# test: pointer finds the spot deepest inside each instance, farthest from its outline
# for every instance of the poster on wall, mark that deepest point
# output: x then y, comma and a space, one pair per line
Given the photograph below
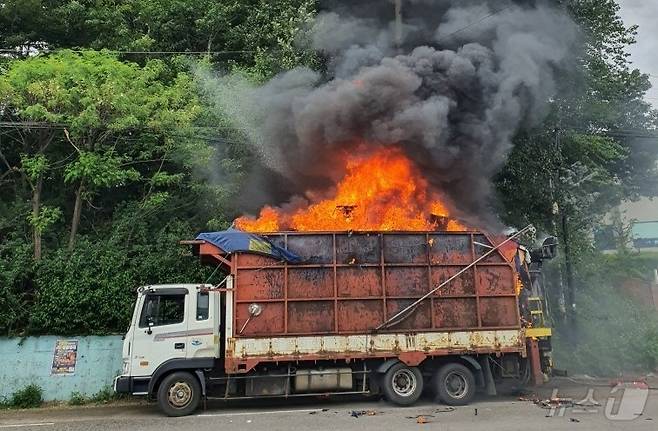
65, 357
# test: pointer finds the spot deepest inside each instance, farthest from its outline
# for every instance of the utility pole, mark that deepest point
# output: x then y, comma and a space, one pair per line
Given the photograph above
555, 211
568, 298
398, 23
571, 293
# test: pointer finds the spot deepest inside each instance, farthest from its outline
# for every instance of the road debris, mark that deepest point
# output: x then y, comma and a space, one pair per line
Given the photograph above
316, 411
574, 420
553, 403
446, 409
421, 420
419, 416
532, 397
358, 413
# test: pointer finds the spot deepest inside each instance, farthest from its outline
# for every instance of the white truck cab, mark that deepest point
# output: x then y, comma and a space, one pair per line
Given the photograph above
173, 327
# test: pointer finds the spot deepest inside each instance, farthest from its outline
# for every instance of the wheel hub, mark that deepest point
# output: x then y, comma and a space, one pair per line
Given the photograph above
404, 383
179, 394
456, 385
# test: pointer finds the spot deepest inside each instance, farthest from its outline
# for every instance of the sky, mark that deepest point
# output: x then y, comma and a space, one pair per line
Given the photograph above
644, 53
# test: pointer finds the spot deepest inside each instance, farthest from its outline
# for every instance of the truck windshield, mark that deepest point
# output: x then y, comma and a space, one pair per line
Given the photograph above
162, 310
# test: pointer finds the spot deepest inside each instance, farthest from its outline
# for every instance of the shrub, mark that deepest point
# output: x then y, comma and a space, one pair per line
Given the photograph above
29, 397
91, 290
104, 395
77, 399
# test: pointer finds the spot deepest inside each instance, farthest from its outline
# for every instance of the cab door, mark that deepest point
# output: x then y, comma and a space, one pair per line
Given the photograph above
202, 333
161, 329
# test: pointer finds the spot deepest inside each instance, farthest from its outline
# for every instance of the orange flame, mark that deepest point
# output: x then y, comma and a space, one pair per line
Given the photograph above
380, 192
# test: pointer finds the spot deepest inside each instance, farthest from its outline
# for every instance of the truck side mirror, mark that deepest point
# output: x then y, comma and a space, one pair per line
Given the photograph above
549, 247
547, 251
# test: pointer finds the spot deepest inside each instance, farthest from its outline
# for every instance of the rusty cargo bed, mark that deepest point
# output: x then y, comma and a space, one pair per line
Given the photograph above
349, 283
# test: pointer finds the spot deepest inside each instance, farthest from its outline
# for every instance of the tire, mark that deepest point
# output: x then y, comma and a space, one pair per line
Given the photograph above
454, 384
179, 394
402, 385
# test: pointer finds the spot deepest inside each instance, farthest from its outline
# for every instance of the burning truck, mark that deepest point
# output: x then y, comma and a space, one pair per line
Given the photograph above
375, 290
369, 277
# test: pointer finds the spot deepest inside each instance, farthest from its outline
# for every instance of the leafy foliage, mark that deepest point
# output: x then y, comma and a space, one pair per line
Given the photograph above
616, 333
100, 170
103, 396
113, 156
252, 33
91, 289
17, 290
116, 153
596, 148
115, 150
77, 399
30, 396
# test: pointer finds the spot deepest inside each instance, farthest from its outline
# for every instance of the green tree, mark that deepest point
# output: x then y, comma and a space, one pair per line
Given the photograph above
92, 101
112, 152
255, 33
595, 148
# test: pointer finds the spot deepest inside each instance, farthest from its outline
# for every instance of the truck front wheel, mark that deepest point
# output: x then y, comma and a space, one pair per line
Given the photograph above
454, 384
179, 394
402, 385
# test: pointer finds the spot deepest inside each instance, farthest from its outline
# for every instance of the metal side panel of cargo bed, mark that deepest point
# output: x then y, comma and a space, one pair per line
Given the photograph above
348, 283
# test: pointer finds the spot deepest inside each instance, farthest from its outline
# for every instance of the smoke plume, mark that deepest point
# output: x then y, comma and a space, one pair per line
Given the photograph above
450, 87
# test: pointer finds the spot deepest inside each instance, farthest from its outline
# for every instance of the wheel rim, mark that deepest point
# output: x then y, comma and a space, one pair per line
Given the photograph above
404, 383
179, 394
456, 385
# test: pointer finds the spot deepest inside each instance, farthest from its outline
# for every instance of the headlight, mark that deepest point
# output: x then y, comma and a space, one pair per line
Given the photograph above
126, 366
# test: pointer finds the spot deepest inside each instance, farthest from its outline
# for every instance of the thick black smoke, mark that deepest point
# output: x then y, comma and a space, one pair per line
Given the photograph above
451, 92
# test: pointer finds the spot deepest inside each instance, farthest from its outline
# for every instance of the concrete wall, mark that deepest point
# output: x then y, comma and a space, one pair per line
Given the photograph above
29, 360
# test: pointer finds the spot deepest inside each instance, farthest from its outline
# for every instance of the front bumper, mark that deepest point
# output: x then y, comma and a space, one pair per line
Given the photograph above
131, 385
122, 385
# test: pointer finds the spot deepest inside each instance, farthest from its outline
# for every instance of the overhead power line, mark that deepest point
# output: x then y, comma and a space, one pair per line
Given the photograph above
474, 23
202, 132
230, 52
113, 51
45, 124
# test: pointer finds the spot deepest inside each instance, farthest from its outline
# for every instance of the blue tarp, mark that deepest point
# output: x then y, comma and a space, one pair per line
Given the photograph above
232, 240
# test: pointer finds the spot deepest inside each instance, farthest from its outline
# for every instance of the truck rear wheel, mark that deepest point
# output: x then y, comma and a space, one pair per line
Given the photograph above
402, 385
454, 384
179, 394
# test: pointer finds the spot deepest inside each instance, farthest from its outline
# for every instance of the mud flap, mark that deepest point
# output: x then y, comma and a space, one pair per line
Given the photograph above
489, 384
202, 380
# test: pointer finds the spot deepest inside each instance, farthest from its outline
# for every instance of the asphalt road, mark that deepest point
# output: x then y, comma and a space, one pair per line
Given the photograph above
499, 413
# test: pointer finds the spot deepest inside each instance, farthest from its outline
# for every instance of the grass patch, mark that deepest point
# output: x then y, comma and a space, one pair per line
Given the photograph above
103, 396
